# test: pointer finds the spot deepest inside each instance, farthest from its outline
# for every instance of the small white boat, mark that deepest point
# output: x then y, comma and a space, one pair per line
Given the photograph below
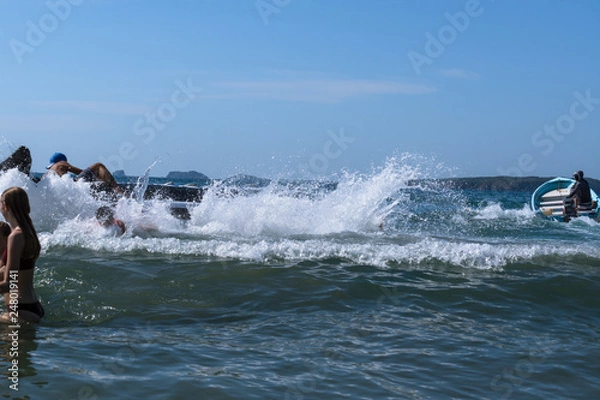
548, 201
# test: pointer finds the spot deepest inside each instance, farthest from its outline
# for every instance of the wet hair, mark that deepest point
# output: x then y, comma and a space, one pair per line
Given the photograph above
17, 202
580, 173
4, 229
20, 159
105, 215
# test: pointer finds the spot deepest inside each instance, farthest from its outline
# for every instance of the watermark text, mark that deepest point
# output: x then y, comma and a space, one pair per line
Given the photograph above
266, 8
13, 335
546, 139
37, 32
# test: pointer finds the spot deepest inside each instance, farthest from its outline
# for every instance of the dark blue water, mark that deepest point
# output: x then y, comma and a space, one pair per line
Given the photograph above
374, 290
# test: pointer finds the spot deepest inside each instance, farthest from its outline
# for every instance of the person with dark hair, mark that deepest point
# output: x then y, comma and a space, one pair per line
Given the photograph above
4, 233
19, 159
22, 250
106, 218
580, 191
98, 171
578, 199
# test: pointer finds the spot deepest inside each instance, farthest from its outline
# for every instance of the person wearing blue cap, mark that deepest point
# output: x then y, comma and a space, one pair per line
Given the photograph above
95, 172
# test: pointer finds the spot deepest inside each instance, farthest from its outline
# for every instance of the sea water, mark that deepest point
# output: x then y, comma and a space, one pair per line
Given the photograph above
368, 288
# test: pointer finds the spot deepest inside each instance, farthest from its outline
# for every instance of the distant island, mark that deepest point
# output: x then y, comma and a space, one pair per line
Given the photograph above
502, 183
487, 183
189, 175
246, 180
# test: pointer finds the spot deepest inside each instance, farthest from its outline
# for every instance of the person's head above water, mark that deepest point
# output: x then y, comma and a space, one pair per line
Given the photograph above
105, 216
16, 208
56, 157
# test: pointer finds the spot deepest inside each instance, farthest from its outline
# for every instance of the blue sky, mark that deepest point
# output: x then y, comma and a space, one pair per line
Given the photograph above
303, 87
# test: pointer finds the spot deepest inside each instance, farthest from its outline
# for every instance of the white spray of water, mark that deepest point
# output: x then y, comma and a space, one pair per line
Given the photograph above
277, 222
356, 205
142, 184
494, 211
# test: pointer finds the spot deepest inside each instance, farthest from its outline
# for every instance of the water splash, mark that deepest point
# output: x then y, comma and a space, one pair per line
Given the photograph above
391, 218
142, 184
358, 203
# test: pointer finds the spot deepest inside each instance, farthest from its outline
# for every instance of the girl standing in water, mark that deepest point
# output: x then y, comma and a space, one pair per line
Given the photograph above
22, 250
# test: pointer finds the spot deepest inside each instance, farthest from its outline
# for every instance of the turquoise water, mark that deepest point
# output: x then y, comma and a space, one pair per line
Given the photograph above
374, 290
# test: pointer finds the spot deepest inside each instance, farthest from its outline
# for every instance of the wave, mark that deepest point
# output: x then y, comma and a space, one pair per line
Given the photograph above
383, 219
377, 251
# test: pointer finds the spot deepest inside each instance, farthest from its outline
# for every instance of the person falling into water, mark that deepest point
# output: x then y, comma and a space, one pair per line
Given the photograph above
106, 218
22, 250
98, 171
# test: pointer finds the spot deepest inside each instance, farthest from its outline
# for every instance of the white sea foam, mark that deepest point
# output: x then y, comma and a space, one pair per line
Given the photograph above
495, 211
368, 251
377, 219
356, 205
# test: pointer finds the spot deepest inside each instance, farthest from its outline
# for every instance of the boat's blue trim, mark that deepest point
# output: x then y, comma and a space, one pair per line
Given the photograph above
560, 183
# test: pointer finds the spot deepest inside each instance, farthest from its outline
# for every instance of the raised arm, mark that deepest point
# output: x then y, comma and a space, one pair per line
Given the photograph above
62, 167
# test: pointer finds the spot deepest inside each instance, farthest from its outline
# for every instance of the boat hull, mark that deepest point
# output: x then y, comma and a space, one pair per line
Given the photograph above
547, 201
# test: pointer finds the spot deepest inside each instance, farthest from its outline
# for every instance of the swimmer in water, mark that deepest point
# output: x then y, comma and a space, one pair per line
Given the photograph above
22, 251
106, 218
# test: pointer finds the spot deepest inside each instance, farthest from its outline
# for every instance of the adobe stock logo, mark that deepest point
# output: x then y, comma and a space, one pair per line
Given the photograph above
333, 148
37, 33
447, 34
146, 128
266, 8
552, 134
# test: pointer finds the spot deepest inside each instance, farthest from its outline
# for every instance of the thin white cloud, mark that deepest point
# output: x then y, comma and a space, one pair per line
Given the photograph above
313, 90
53, 124
100, 107
460, 74
305, 89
